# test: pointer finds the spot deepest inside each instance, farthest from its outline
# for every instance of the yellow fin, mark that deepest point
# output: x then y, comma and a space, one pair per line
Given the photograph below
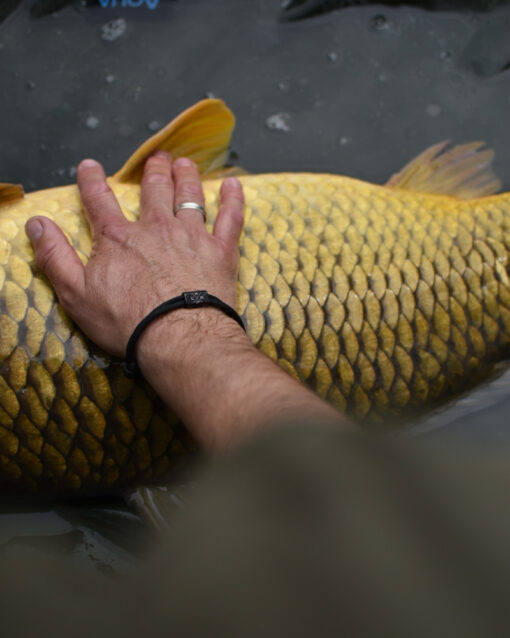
201, 133
10, 193
225, 171
463, 171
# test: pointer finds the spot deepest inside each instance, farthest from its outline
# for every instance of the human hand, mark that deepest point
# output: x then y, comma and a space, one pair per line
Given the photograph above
135, 266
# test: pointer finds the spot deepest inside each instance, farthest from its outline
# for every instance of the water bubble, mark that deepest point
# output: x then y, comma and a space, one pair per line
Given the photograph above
43, 147
210, 95
279, 122
72, 171
379, 23
125, 130
433, 110
283, 86
61, 172
30, 85
92, 122
110, 78
333, 56
445, 55
136, 93
113, 29
343, 141
382, 77
154, 126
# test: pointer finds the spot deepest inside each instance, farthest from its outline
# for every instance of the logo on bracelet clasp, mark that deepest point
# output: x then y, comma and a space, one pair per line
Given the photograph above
152, 4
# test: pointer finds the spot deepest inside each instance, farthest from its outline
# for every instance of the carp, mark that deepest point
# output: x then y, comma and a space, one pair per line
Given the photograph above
386, 300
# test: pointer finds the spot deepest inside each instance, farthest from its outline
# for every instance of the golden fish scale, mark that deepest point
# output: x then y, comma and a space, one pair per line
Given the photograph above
379, 299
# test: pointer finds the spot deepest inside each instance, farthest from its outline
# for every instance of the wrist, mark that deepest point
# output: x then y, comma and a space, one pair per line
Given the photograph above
171, 341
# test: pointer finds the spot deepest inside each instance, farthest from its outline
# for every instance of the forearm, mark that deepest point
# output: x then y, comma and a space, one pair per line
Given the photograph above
219, 384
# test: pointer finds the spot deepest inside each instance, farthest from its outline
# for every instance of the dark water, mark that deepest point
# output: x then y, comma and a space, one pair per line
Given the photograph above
345, 87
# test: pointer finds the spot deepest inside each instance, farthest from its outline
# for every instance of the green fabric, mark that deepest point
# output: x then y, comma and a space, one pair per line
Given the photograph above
306, 531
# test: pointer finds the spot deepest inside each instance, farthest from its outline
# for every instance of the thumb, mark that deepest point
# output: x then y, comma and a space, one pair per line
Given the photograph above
57, 259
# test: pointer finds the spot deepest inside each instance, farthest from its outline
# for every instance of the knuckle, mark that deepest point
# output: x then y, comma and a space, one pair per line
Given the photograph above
192, 189
180, 235
230, 258
233, 209
185, 165
159, 215
96, 188
157, 162
156, 177
46, 256
66, 296
157, 171
95, 203
113, 230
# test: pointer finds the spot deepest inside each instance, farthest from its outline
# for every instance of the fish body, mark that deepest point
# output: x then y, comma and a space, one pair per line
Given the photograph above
384, 300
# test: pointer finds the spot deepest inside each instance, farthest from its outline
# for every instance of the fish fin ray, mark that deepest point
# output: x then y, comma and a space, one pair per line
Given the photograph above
225, 171
201, 133
159, 505
10, 193
463, 171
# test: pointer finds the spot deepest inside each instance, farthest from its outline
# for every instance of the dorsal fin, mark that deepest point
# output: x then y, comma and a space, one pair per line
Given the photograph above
464, 171
201, 133
10, 193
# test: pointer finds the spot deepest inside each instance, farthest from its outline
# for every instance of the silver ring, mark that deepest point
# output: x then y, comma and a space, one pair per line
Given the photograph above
193, 206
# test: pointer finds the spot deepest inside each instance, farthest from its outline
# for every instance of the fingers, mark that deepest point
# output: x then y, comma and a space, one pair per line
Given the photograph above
103, 211
188, 188
57, 259
230, 218
157, 194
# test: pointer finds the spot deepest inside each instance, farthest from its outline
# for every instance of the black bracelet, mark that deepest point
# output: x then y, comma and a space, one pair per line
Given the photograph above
193, 299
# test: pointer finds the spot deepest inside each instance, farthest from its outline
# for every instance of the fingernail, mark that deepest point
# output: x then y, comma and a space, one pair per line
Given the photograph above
184, 162
88, 162
162, 154
33, 229
232, 182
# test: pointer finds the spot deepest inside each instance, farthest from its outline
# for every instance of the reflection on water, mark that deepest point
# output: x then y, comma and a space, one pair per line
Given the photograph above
298, 9
104, 537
